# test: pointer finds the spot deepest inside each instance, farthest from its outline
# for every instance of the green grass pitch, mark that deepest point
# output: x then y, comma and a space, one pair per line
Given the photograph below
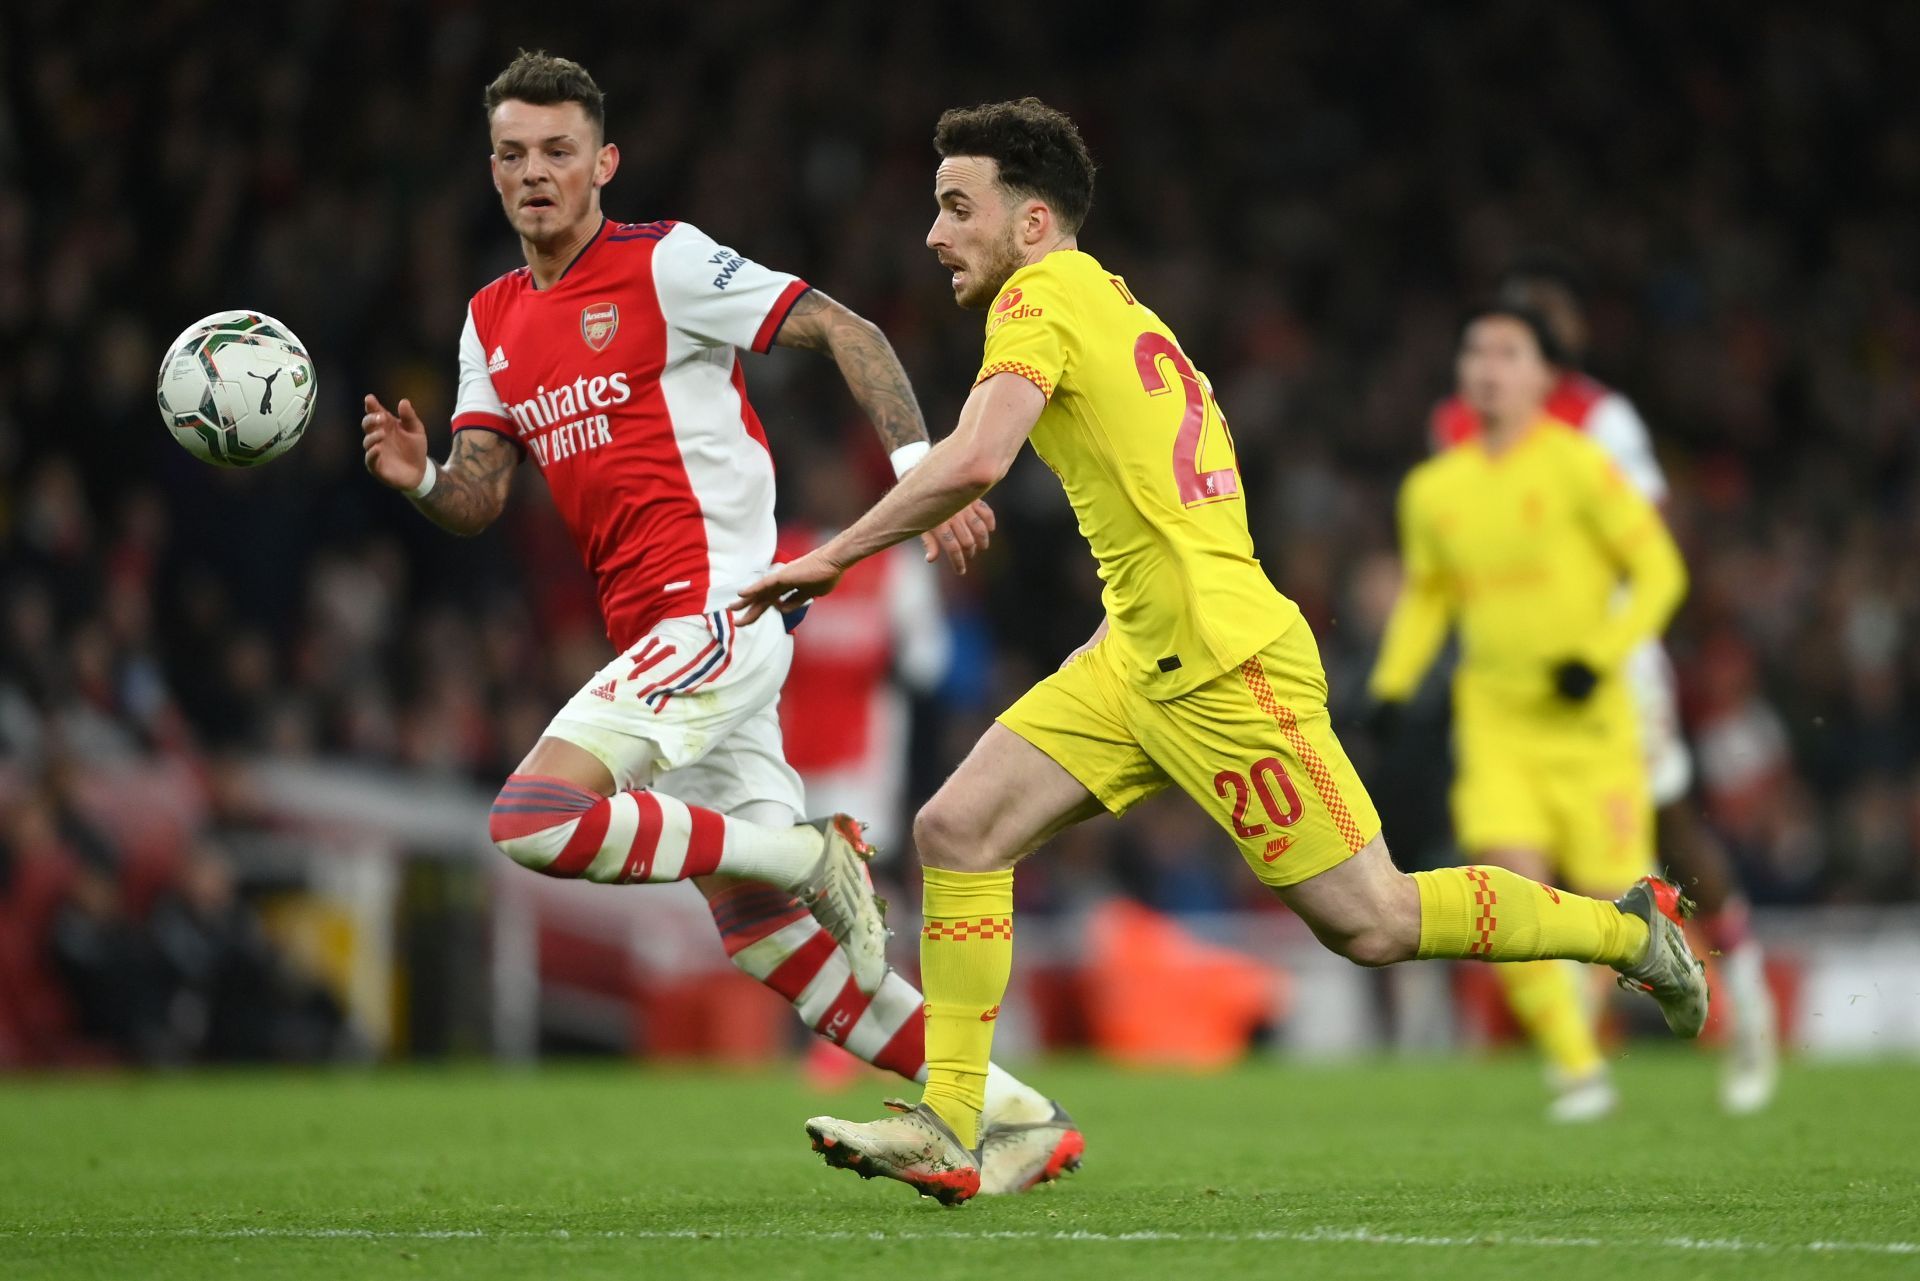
1400, 1169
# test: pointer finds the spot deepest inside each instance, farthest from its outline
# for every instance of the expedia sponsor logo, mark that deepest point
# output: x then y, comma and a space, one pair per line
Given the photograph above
1013, 306
599, 323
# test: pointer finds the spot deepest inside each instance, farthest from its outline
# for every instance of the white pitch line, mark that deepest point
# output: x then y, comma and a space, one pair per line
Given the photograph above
1303, 1236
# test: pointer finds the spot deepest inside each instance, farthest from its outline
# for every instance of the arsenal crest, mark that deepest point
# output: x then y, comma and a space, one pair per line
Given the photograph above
599, 323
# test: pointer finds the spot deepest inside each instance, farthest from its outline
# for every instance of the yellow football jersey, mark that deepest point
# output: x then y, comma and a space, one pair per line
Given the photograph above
1526, 551
1133, 433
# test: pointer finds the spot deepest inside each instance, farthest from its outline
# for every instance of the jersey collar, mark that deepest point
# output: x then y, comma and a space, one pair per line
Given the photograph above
592, 240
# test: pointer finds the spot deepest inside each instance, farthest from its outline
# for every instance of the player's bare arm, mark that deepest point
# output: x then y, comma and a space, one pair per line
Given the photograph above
867, 361
469, 490
994, 424
879, 385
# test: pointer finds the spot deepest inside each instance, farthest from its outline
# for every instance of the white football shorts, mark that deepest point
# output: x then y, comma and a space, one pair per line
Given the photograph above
1656, 697
692, 710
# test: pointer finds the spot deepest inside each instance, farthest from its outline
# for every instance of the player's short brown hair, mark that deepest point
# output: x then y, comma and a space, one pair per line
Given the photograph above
545, 80
1038, 149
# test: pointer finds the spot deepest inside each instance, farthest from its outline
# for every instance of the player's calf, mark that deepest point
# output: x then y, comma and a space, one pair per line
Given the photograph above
770, 935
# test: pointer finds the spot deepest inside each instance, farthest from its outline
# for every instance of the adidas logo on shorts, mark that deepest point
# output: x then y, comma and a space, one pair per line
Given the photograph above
604, 691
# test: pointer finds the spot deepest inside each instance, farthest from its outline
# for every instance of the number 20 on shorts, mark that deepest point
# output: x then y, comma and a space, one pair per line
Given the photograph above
1267, 780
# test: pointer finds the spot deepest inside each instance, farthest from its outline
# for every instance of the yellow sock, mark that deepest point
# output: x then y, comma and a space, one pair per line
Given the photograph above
1491, 914
966, 957
1545, 998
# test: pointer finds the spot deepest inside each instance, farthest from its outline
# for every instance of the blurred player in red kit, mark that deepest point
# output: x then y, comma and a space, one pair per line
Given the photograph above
881, 636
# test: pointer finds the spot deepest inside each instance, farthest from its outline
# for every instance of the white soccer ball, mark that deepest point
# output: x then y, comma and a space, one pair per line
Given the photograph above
237, 388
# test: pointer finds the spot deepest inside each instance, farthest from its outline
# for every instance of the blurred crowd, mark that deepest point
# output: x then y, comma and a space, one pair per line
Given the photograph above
1309, 194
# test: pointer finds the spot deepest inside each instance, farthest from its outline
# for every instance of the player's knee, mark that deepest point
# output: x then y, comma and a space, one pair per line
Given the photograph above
514, 835
1378, 945
945, 836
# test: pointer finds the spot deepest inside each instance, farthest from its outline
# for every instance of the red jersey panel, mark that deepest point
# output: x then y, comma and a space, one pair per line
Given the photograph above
1585, 404
842, 659
1571, 401
622, 382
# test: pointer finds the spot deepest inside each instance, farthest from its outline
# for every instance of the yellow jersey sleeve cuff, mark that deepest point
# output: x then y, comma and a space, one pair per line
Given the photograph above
1020, 367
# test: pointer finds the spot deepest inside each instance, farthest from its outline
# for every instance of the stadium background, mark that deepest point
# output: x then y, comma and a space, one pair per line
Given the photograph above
212, 683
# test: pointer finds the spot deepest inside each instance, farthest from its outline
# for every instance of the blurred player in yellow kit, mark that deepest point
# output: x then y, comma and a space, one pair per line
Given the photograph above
1554, 569
1201, 675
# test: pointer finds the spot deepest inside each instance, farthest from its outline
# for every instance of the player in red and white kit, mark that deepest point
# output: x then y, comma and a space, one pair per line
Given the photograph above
1549, 287
611, 361
881, 635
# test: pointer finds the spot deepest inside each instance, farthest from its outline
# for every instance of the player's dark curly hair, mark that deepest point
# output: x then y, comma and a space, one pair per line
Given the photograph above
544, 80
1038, 149
1550, 349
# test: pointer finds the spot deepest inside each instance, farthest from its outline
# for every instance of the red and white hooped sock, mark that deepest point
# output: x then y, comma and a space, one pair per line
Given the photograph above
771, 936
559, 829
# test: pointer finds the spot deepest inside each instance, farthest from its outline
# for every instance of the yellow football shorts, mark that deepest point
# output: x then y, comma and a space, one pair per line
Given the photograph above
1585, 805
1254, 746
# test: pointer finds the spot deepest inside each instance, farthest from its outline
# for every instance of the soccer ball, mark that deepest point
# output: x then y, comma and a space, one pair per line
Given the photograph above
236, 389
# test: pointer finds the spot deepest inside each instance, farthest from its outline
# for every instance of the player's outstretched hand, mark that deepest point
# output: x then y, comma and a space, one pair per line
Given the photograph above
961, 538
788, 587
396, 445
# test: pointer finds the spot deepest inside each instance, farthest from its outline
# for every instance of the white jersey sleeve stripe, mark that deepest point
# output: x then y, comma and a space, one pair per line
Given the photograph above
477, 400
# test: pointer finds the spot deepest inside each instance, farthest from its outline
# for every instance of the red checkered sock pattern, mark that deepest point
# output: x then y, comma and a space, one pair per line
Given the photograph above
770, 936
966, 958
1491, 914
560, 829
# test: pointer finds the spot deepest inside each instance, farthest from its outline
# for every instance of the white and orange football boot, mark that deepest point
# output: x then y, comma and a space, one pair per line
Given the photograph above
839, 893
914, 1146
1669, 972
1018, 1156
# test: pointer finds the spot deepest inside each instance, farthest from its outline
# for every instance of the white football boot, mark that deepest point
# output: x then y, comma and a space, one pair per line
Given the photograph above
1591, 1098
1669, 971
840, 895
1016, 1156
1751, 1070
914, 1146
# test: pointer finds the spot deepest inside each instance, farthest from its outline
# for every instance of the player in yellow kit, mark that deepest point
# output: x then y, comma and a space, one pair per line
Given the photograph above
1554, 569
1201, 674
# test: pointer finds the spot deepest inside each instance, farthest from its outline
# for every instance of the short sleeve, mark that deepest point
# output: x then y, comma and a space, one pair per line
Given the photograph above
1027, 333
477, 404
718, 298
1615, 508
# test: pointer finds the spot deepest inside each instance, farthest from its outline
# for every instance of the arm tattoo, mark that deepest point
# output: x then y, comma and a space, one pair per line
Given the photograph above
867, 361
472, 487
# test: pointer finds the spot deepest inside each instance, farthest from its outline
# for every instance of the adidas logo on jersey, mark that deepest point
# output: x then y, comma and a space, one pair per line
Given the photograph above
497, 361
604, 691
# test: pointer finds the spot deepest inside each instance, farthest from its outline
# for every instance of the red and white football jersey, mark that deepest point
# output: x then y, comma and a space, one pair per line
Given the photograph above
622, 382
1586, 404
883, 621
